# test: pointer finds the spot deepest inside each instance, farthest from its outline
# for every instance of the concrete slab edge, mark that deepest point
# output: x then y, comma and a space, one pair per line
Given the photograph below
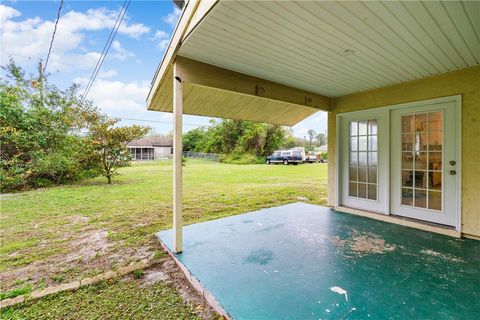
75, 285
197, 285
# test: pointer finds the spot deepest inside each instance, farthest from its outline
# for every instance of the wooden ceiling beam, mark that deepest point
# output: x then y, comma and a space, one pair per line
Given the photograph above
199, 73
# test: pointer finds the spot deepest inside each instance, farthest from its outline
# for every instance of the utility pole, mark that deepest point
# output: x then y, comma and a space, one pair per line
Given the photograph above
40, 74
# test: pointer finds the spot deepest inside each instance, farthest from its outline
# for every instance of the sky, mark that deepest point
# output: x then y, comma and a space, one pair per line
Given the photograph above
124, 80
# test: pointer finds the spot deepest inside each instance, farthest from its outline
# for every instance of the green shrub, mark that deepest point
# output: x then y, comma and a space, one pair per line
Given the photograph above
242, 159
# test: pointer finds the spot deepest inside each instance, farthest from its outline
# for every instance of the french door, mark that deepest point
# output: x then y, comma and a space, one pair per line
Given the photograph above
424, 163
364, 160
402, 160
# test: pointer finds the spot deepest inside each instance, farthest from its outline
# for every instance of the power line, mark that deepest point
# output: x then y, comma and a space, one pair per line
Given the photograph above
53, 36
106, 48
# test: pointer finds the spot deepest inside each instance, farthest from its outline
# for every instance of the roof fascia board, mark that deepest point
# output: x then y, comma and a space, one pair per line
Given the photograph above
176, 40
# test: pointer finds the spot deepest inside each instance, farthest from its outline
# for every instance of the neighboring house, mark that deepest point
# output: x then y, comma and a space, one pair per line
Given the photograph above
400, 82
319, 150
151, 148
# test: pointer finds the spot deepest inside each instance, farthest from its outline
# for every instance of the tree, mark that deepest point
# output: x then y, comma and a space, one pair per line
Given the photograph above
311, 133
236, 138
193, 139
40, 140
321, 139
49, 137
110, 143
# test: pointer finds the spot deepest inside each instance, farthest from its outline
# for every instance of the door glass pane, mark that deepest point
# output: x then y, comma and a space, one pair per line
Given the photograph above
407, 160
372, 191
362, 128
435, 161
420, 179
362, 143
352, 189
362, 174
407, 197
435, 141
407, 123
435, 200
363, 162
354, 143
435, 181
362, 190
352, 174
407, 178
354, 128
362, 158
420, 198
435, 121
422, 164
372, 158
372, 143
372, 174
421, 122
407, 142
372, 127
421, 161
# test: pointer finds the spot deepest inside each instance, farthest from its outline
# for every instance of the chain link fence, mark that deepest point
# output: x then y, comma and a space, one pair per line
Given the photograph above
200, 155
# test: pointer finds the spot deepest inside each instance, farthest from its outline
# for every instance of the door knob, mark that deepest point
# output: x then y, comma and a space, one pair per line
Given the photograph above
453, 172
452, 162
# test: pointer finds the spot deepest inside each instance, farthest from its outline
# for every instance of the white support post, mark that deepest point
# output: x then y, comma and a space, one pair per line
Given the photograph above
177, 160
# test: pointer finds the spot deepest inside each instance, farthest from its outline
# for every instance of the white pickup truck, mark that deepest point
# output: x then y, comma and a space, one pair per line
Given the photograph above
311, 158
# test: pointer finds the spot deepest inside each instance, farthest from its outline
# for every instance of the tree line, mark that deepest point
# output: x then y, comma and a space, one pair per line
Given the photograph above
242, 141
49, 137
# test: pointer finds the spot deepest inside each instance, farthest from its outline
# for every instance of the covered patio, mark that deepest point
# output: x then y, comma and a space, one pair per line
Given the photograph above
400, 82
302, 261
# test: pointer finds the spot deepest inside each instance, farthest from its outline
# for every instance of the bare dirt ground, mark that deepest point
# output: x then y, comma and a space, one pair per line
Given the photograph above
90, 253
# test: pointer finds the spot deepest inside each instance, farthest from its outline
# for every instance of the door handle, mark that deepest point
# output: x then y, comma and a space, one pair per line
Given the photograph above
452, 162
453, 172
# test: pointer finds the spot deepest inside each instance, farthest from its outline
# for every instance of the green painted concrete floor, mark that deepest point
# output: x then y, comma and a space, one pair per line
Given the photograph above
302, 261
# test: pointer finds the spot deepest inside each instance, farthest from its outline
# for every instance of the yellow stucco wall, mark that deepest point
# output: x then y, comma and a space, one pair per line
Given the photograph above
465, 82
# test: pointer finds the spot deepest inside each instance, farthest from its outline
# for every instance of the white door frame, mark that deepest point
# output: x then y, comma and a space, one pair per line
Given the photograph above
457, 99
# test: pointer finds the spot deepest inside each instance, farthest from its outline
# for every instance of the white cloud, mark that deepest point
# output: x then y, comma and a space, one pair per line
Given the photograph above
7, 13
116, 97
121, 53
320, 117
107, 74
163, 39
172, 17
31, 37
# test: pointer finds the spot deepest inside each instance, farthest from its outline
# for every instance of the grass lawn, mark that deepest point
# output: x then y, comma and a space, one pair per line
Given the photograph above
58, 234
116, 300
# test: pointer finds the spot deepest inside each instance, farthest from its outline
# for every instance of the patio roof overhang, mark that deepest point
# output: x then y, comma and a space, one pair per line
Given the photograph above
301, 55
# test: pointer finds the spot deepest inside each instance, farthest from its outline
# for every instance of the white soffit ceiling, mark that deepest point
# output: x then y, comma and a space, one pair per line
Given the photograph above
338, 48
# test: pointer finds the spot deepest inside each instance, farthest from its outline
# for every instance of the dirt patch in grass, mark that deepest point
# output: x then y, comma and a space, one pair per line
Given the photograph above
88, 254
79, 219
88, 246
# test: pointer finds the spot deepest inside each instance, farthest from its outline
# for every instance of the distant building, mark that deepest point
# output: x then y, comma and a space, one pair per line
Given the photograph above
321, 149
151, 148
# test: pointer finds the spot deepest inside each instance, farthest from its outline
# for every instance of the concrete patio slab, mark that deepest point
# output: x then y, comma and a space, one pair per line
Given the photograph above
302, 261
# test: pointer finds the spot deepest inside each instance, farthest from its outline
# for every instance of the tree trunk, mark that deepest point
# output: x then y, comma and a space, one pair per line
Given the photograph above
109, 177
